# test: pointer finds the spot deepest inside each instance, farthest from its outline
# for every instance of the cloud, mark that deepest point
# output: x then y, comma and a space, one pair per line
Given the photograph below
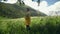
34, 5
31, 4
44, 6
10, 1
54, 8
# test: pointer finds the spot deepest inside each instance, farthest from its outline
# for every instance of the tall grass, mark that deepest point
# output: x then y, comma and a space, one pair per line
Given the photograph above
45, 25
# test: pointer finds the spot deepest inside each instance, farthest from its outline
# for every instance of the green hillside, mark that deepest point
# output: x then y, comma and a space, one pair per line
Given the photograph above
16, 11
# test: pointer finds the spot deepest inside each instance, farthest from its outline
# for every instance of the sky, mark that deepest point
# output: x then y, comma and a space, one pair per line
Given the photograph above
9, 1
46, 6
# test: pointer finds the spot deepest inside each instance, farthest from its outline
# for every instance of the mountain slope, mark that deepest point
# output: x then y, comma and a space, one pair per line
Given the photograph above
16, 11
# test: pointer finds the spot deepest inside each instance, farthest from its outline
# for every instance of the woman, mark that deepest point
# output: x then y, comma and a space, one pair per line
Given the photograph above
27, 19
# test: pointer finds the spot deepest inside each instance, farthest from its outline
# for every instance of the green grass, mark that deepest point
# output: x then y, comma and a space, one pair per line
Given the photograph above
39, 25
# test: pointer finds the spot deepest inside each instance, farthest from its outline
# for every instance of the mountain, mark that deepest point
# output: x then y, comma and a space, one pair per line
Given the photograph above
54, 13
16, 10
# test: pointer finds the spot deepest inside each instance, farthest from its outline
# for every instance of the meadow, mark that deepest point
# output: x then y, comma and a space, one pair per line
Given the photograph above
39, 25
